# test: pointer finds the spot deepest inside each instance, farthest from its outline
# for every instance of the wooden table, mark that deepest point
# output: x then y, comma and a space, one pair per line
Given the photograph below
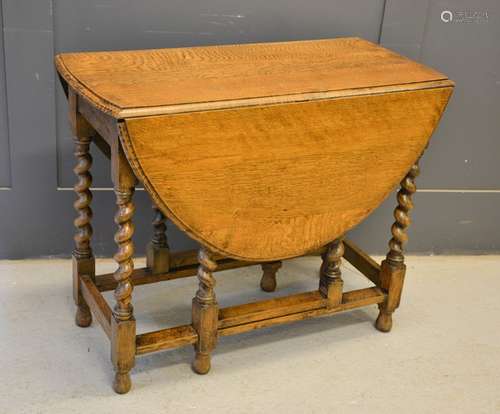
260, 152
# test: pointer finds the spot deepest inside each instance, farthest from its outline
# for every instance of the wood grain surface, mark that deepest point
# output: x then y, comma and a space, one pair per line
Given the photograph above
132, 83
272, 182
261, 152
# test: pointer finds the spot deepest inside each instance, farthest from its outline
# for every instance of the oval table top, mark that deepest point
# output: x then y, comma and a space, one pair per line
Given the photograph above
265, 151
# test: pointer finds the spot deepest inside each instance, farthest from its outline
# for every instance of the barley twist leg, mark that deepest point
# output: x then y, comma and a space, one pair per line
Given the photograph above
393, 268
205, 312
83, 258
123, 322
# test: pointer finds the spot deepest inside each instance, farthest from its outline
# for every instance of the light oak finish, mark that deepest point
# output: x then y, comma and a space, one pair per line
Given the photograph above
123, 238
330, 278
123, 326
97, 304
145, 82
361, 261
242, 318
122, 353
262, 168
350, 300
393, 268
205, 312
158, 251
260, 152
144, 276
82, 266
83, 261
166, 339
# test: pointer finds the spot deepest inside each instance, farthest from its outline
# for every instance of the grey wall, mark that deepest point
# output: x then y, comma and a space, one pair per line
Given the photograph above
4, 128
459, 201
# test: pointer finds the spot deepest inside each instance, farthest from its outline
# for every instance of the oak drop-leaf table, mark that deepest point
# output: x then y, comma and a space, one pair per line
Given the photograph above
260, 152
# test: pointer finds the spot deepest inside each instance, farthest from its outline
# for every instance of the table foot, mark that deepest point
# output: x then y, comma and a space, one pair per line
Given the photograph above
384, 321
201, 363
83, 317
122, 382
268, 281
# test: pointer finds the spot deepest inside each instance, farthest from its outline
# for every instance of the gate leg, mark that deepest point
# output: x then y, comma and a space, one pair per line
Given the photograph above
123, 329
123, 322
205, 312
393, 268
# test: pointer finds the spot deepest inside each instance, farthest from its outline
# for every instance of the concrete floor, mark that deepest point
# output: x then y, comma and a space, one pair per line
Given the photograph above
443, 355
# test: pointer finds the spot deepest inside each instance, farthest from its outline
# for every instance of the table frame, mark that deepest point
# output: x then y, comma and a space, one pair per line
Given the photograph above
208, 321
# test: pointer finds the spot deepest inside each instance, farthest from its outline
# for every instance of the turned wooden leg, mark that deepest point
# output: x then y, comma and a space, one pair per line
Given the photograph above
158, 251
205, 312
83, 258
330, 282
123, 322
393, 268
268, 281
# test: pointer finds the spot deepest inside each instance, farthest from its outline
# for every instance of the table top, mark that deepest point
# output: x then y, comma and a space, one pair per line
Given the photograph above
153, 82
308, 137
